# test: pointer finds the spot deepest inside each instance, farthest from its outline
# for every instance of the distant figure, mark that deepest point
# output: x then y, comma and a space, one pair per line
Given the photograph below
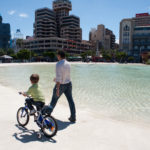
63, 85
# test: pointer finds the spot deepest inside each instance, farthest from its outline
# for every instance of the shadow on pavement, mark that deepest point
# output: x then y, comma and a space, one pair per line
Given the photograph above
62, 124
27, 136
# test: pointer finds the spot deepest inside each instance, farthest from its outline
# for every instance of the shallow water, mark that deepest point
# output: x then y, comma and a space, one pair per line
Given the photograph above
118, 91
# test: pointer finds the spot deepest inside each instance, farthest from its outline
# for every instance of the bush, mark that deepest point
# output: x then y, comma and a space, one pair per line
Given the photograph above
23, 54
131, 59
148, 62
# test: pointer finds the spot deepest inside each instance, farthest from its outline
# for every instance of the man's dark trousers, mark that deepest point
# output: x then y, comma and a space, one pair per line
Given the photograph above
67, 90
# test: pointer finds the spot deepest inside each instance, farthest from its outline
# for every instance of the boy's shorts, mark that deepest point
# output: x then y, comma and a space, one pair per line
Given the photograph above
39, 105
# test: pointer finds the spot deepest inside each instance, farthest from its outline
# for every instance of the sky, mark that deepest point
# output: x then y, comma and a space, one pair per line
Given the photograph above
20, 13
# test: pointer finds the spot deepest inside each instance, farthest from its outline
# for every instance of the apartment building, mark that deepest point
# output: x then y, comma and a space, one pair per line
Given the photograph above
39, 45
135, 35
102, 38
45, 23
55, 29
70, 28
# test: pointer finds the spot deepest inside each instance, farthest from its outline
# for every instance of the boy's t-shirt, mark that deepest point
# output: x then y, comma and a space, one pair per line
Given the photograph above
36, 93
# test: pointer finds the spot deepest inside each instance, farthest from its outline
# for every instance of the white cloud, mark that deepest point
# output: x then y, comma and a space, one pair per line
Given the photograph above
117, 41
23, 15
11, 12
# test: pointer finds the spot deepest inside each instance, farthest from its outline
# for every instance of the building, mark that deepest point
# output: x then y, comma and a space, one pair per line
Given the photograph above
13, 42
135, 35
18, 34
111, 38
70, 28
4, 34
55, 29
102, 38
45, 23
62, 9
39, 45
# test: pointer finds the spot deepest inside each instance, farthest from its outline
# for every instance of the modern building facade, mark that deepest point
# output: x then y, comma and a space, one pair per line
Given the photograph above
135, 35
62, 9
102, 38
45, 23
70, 28
4, 34
13, 42
39, 45
55, 29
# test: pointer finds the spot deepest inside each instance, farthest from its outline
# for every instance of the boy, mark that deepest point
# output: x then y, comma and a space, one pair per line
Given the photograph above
37, 97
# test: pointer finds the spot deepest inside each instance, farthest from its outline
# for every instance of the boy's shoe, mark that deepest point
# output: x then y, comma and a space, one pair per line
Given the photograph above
32, 112
72, 120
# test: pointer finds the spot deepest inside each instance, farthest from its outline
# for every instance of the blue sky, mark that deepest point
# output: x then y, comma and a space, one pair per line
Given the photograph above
20, 13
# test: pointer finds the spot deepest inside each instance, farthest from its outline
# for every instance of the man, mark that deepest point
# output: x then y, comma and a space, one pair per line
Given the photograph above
63, 85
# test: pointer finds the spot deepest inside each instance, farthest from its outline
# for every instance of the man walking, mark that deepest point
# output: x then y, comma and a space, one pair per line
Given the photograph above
63, 85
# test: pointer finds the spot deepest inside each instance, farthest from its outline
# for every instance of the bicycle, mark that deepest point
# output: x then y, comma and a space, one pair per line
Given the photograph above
46, 123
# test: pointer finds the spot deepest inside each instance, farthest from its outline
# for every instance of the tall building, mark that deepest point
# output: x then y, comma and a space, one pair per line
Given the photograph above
135, 35
13, 42
62, 9
45, 23
4, 34
102, 37
18, 34
111, 38
56, 30
70, 28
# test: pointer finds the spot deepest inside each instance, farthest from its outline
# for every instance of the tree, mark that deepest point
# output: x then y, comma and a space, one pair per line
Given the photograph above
67, 55
2, 52
121, 56
23, 54
130, 59
10, 51
83, 55
14, 56
51, 55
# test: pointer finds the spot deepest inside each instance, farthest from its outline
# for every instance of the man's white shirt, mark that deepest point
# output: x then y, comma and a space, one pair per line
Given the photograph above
63, 72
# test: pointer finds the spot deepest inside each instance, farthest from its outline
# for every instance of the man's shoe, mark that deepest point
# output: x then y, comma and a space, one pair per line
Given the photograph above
32, 112
72, 120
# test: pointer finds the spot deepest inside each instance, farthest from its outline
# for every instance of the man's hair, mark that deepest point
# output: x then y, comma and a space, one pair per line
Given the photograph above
35, 78
61, 54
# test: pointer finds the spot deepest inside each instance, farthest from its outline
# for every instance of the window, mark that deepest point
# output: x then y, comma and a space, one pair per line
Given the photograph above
126, 28
135, 47
126, 34
148, 47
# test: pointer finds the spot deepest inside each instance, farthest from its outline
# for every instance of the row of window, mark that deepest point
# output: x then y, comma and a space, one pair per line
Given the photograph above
142, 47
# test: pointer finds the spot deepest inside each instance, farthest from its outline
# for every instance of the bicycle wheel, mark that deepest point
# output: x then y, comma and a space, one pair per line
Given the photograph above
49, 126
22, 116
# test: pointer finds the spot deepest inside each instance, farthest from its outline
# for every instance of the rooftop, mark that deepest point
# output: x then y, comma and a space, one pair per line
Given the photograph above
62, 1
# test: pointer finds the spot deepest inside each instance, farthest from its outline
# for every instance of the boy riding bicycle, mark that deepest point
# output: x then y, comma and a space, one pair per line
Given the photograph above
35, 92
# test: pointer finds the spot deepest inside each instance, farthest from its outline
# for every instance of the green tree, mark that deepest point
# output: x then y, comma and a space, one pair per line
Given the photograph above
2, 52
23, 54
83, 55
14, 56
121, 56
67, 55
51, 55
130, 59
10, 51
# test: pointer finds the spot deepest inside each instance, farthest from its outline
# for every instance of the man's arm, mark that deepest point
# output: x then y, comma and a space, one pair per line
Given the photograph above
58, 79
58, 88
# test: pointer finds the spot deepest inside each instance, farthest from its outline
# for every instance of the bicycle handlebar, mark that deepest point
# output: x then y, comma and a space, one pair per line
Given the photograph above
20, 93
